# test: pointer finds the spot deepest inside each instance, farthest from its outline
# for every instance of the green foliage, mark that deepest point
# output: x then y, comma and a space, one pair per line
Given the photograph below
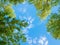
55, 2
9, 11
16, 1
10, 27
44, 6
12, 1
53, 26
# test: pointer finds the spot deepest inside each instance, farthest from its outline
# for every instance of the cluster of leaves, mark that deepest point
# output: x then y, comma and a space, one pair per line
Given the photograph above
53, 26
10, 27
44, 6
12, 1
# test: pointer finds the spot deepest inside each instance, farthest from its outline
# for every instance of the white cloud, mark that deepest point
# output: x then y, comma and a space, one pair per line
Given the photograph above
30, 19
35, 40
43, 38
43, 41
29, 40
46, 43
40, 41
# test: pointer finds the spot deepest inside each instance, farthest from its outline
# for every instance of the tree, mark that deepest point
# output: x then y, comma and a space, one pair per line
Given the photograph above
44, 7
10, 27
53, 25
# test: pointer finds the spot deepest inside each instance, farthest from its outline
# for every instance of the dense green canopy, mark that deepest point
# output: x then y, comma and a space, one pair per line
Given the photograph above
53, 25
44, 7
10, 27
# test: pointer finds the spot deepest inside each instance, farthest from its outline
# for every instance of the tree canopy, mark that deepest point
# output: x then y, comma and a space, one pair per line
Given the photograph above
44, 7
53, 25
9, 24
10, 27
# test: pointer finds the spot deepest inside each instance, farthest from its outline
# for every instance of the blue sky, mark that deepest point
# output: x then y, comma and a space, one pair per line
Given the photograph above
36, 32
